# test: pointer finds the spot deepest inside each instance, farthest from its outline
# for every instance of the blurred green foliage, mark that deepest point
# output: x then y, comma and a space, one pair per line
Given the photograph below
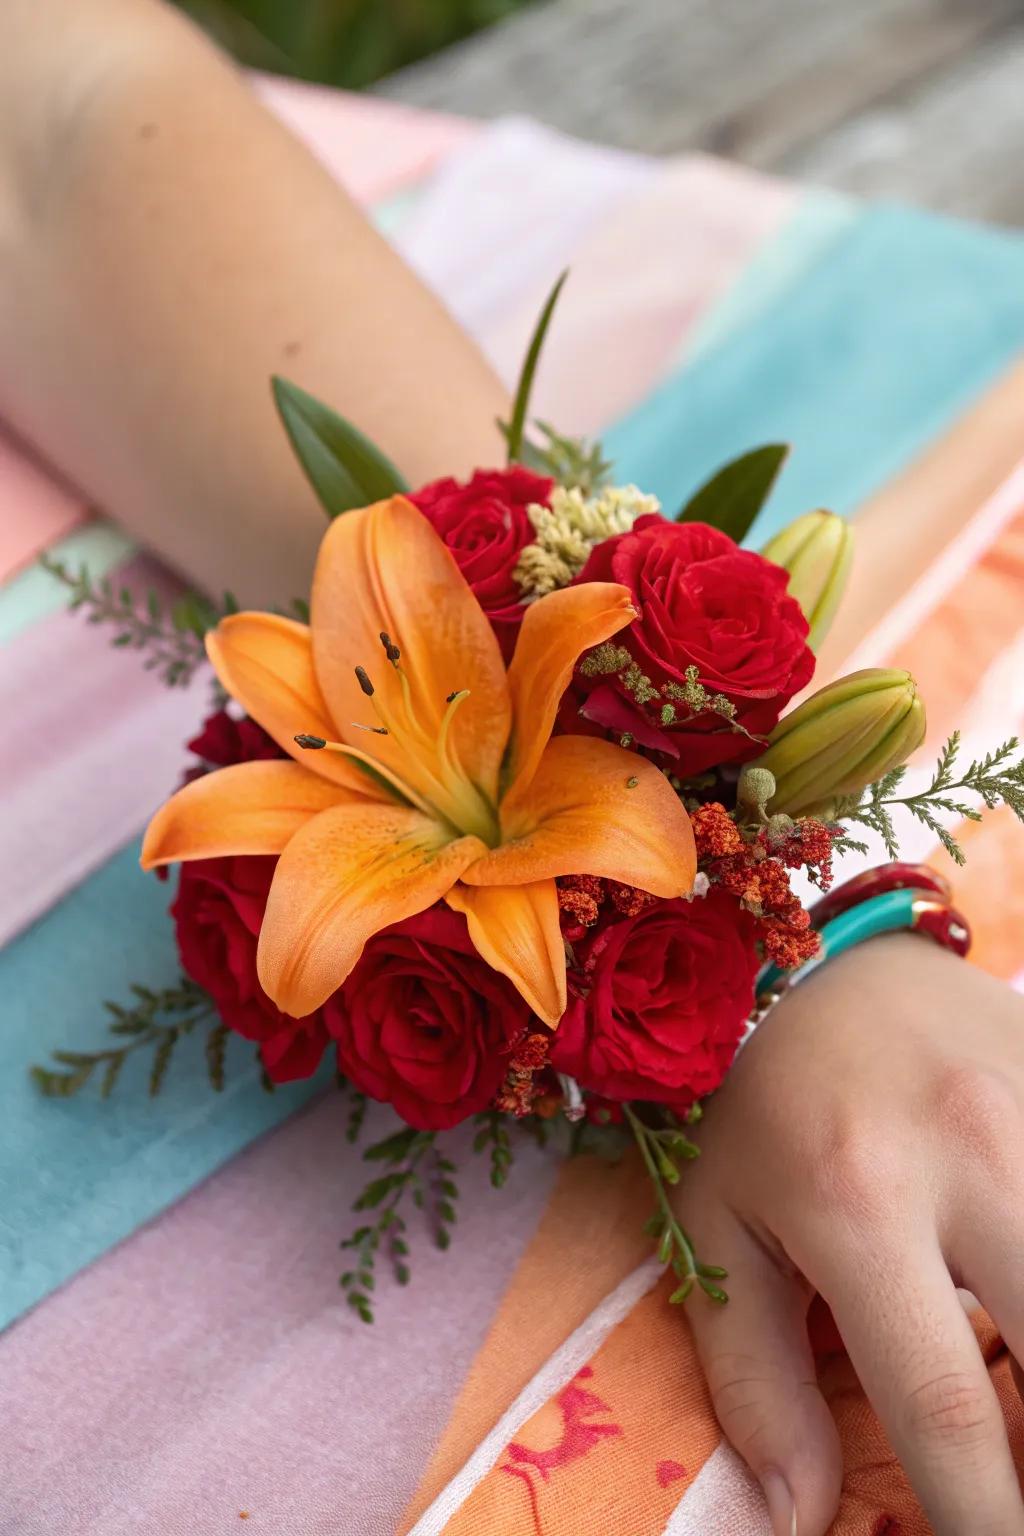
346, 43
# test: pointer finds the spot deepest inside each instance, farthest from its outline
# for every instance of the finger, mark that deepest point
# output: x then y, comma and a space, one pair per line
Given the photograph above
760, 1371
1018, 1377
915, 1353
985, 1253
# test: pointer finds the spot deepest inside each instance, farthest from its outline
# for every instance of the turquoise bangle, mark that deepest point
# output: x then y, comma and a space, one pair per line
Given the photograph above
889, 912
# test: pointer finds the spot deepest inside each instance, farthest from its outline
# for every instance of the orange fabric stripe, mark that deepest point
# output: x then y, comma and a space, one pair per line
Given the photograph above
625, 1440
954, 647
902, 528
877, 1500
990, 890
588, 1240
635, 1424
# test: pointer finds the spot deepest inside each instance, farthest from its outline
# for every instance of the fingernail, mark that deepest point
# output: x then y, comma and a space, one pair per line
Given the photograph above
781, 1508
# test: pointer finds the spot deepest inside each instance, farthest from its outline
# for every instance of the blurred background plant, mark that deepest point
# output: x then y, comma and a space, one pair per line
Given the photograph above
347, 43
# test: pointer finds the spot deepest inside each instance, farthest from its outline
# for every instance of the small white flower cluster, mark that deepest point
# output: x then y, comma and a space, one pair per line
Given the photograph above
569, 528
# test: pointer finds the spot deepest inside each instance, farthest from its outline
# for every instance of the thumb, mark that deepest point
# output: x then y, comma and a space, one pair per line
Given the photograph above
760, 1371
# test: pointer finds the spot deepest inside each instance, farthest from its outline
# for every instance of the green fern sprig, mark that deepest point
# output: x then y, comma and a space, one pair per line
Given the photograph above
571, 461
170, 636
416, 1170
492, 1136
156, 1023
357, 1103
663, 1148
995, 778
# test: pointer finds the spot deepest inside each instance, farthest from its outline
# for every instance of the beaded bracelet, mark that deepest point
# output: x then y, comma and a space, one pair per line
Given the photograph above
890, 899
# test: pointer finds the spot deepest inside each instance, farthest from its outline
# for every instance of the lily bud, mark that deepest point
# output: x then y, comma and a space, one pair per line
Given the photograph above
817, 551
842, 739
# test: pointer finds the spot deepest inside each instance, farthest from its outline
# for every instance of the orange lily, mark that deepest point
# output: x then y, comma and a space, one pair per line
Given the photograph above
454, 788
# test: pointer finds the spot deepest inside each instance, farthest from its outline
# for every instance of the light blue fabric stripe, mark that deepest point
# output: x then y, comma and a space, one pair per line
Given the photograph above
78, 1175
867, 358
817, 224
34, 593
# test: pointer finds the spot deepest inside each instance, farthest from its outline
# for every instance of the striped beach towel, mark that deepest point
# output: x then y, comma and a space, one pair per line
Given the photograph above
176, 1354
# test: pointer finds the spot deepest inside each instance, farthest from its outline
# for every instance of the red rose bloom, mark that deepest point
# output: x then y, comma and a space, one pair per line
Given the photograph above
484, 524
224, 740
217, 916
668, 994
702, 602
424, 1022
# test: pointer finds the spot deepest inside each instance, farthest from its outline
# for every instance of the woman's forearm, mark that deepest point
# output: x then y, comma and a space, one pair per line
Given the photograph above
165, 246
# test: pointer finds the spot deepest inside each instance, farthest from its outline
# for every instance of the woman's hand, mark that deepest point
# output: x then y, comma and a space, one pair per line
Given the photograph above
869, 1145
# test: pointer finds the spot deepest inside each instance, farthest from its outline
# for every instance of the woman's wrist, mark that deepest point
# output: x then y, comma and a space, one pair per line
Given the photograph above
896, 969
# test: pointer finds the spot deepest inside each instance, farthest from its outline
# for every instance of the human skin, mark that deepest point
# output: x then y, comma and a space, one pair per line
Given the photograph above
164, 247
869, 1145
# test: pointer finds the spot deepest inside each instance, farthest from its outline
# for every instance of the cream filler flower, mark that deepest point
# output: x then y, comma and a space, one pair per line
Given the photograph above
568, 529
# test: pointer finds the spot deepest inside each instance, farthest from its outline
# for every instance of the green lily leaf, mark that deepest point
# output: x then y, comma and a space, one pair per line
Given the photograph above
343, 467
517, 426
734, 496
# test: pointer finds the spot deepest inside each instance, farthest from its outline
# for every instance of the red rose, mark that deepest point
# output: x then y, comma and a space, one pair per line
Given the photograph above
702, 602
217, 916
224, 740
484, 524
425, 1024
668, 995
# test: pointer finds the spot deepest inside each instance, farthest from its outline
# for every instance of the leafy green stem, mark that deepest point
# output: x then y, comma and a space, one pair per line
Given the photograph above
659, 1149
156, 1022
994, 778
171, 639
415, 1170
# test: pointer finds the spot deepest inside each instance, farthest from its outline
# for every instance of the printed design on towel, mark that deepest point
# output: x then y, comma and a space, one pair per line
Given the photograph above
576, 1408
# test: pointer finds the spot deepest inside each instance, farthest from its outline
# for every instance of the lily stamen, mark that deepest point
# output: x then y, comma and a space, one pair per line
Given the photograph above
453, 701
391, 650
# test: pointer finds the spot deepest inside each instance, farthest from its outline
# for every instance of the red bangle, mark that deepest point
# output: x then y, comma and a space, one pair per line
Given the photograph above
874, 882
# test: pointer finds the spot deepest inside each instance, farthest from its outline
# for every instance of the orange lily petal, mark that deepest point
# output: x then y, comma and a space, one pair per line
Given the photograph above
555, 632
247, 808
593, 809
516, 930
266, 663
348, 873
384, 569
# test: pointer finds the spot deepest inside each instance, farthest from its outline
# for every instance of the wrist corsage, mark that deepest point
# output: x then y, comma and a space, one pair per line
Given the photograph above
506, 819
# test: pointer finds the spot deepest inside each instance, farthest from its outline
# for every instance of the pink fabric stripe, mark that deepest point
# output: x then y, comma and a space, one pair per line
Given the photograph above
528, 202
373, 147
616, 336
36, 509
91, 743
216, 1370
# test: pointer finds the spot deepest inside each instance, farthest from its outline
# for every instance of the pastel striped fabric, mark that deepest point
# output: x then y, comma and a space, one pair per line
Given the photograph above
177, 1356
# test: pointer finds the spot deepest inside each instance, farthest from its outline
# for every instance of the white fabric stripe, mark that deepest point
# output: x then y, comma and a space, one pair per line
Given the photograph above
723, 1500
556, 1373
943, 575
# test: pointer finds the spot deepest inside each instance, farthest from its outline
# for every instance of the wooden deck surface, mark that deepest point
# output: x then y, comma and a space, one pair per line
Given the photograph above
917, 99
